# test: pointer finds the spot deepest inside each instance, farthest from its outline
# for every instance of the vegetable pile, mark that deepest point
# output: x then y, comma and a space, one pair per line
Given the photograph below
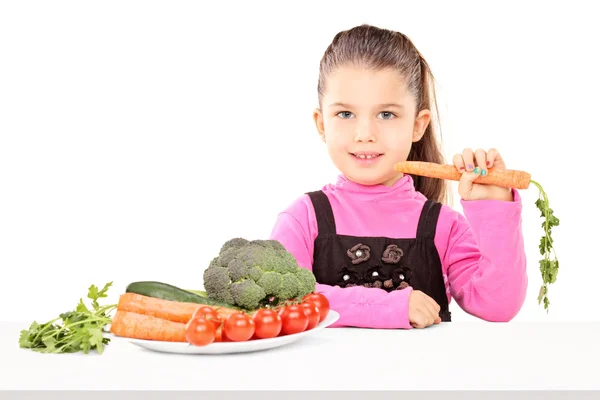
508, 179
199, 321
253, 290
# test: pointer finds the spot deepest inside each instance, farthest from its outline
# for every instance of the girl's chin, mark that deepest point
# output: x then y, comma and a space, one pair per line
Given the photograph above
373, 179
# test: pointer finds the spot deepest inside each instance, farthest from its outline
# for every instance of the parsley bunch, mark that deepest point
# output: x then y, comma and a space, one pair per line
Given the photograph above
549, 262
80, 330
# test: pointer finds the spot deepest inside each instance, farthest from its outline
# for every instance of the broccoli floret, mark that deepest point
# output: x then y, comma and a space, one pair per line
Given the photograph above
249, 274
238, 270
227, 256
255, 273
217, 283
280, 259
254, 255
307, 282
247, 294
271, 282
234, 243
287, 263
214, 263
272, 244
289, 286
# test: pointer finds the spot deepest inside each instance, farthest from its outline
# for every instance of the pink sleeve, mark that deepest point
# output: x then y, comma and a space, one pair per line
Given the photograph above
358, 306
485, 259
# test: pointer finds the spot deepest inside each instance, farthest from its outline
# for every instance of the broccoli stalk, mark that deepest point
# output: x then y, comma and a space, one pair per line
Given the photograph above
252, 274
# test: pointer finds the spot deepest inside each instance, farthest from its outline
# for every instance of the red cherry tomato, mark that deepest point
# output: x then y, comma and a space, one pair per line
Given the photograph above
313, 314
268, 323
321, 302
239, 327
293, 319
210, 314
200, 331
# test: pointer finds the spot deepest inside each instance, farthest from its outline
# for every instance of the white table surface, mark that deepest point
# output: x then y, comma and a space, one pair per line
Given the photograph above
456, 355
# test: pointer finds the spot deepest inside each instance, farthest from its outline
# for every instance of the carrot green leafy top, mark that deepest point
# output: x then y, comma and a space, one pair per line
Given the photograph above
549, 261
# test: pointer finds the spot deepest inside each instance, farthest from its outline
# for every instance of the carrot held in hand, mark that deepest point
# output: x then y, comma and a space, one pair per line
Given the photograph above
507, 178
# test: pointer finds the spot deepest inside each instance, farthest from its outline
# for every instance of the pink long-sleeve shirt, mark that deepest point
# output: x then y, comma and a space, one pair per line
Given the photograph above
482, 252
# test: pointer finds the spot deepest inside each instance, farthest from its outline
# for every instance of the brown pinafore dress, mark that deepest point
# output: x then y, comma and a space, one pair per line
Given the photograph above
379, 262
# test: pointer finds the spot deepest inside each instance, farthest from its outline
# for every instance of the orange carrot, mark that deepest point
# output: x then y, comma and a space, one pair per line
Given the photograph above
169, 310
507, 178
139, 326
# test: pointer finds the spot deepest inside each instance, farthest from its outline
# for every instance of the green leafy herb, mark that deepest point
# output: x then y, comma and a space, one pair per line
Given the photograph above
79, 330
549, 262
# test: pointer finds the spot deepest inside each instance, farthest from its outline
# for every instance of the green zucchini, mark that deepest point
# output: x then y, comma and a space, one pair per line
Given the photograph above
165, 291
198, 292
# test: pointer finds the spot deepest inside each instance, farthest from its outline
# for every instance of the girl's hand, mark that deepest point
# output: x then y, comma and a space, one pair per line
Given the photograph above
472, 165
422, 310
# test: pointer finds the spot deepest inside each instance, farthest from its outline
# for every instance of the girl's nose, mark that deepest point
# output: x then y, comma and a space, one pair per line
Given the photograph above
366, 131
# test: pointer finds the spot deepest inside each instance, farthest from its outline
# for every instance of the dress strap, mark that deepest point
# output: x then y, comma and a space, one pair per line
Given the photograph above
428, 219
323, 211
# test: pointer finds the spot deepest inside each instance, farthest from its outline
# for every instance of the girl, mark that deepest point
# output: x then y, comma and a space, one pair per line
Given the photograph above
384, 248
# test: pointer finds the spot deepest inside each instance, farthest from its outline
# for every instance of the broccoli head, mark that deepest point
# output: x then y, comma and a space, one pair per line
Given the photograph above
252, 273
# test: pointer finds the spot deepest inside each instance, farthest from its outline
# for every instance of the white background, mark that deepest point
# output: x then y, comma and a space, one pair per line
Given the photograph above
132, 131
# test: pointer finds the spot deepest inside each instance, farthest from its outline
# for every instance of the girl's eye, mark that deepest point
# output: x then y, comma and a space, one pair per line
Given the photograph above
387, 115
345, 114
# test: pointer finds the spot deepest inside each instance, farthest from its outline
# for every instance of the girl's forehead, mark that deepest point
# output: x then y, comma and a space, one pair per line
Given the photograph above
358, 73
361, 85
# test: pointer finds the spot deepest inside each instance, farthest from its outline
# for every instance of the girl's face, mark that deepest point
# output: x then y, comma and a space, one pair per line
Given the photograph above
368, 122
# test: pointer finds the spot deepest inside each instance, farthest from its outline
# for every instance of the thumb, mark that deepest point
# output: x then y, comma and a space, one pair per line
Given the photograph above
465, 184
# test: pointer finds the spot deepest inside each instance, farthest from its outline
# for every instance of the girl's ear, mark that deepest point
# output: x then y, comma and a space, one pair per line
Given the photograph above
421, 123
318, 117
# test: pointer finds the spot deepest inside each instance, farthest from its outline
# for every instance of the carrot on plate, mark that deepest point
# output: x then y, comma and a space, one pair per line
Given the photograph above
139, 326
507, 178
170, 310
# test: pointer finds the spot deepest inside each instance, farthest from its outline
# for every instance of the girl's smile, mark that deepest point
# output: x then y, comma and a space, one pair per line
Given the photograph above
366, 158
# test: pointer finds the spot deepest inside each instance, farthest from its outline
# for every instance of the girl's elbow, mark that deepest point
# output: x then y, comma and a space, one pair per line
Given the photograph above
504, 306
502, 314
505, 310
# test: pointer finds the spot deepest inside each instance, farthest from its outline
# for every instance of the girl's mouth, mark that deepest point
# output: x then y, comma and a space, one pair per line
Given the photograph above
366, 158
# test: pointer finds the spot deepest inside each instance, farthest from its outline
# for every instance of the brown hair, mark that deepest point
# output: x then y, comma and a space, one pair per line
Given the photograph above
378, 48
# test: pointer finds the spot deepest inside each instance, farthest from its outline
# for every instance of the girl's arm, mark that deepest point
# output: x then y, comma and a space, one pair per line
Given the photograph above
485, 259
358, 306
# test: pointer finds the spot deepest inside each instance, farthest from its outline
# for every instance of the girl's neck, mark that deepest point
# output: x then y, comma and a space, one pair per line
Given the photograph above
392, 181
400, 186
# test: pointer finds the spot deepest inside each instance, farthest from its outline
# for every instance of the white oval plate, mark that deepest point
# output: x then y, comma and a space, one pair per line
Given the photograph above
231, 347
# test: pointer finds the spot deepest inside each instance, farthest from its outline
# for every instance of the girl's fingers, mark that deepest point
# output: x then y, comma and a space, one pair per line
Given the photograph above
420, 320
433, 304
469, 161
432, 312
496, 159
459, 162
491, 157
435, 311
424, 318
481, 160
